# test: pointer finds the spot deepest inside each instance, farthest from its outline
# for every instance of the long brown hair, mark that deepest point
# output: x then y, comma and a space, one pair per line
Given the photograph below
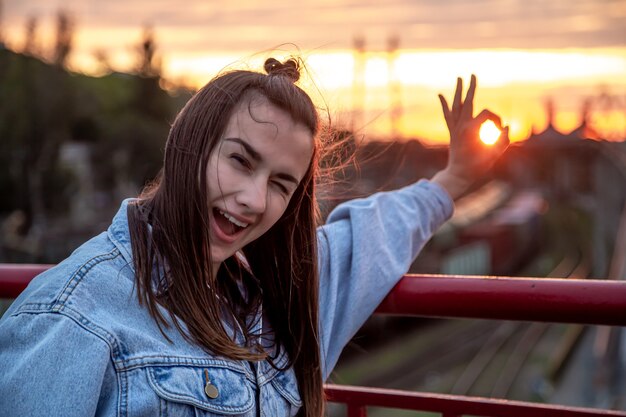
169, 232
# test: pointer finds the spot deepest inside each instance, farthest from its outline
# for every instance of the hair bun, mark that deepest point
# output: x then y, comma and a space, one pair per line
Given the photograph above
289, 68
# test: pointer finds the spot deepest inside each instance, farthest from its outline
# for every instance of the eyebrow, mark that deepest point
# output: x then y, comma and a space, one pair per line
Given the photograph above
258, 158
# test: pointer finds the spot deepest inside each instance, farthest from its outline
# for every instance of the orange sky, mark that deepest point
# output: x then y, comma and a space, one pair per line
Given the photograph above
521, 51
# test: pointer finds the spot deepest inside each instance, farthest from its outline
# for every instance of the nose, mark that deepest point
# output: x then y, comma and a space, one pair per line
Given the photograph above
253, 195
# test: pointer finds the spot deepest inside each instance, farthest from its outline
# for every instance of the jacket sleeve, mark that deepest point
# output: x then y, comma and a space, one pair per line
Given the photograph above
51, 365
366, 246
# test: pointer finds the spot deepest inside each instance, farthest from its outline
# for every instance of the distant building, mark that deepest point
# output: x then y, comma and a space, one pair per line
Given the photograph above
563, 163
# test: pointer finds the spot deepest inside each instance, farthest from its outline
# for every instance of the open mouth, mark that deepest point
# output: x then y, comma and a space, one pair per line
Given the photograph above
227, 223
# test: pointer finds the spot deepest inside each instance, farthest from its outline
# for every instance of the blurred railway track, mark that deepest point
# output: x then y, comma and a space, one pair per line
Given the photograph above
487, 358
510, 345
474, 357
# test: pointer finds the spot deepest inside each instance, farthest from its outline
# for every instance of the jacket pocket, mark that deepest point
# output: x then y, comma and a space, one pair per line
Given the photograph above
182, 388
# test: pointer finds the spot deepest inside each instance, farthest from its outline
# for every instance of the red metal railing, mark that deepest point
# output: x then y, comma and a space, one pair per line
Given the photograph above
526, 299
583, 301
359, 398
15, 277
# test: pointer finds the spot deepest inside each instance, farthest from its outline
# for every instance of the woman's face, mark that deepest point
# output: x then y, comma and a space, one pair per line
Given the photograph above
252, 174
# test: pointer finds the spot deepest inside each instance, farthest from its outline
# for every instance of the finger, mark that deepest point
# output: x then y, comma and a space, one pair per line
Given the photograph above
503, 140
504, 136
485, 115
446, 110
456, 104
500, 146
468, 104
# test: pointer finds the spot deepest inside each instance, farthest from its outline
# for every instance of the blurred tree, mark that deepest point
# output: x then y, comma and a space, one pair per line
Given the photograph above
1, 25
102, 58
149, 99
140, 132
149, 64
101, 104
31, 40
121, 120
64, 35
35, 112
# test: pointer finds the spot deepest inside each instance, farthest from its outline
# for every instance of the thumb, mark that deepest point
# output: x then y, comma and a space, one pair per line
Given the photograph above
503, 142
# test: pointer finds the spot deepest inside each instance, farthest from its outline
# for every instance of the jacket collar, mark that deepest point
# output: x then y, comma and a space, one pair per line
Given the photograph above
119, 233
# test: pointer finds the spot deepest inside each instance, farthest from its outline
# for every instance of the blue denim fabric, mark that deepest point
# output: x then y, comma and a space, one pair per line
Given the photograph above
77, 342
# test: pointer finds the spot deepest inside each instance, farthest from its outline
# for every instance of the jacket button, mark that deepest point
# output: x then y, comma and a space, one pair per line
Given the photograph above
211, 391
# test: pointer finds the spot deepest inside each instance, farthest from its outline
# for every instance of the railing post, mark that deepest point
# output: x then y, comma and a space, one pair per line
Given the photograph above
357, 410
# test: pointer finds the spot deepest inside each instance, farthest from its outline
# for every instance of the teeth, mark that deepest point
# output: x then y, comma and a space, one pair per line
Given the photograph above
233, 220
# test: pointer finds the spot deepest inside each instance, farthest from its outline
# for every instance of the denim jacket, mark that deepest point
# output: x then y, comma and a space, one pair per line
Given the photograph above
77, 342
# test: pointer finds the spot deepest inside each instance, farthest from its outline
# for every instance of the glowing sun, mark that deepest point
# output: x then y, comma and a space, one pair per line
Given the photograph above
489, 133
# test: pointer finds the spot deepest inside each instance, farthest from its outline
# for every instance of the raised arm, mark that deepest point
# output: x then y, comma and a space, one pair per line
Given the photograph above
368, 244
364, 249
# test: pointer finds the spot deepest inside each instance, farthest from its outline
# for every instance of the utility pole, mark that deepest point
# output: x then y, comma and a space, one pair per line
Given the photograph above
395, 89
358, 84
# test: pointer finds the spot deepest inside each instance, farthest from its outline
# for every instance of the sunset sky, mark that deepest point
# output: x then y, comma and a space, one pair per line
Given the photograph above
522, 51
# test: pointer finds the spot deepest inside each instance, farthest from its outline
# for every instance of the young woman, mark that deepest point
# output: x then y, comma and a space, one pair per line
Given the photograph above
213, 293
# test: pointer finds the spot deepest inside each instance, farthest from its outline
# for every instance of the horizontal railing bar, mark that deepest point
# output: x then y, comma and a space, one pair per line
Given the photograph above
453, 404
15, 277
583, 301
499, 298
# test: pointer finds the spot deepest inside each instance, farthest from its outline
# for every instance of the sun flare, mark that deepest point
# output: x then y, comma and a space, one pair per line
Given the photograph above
489, 133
